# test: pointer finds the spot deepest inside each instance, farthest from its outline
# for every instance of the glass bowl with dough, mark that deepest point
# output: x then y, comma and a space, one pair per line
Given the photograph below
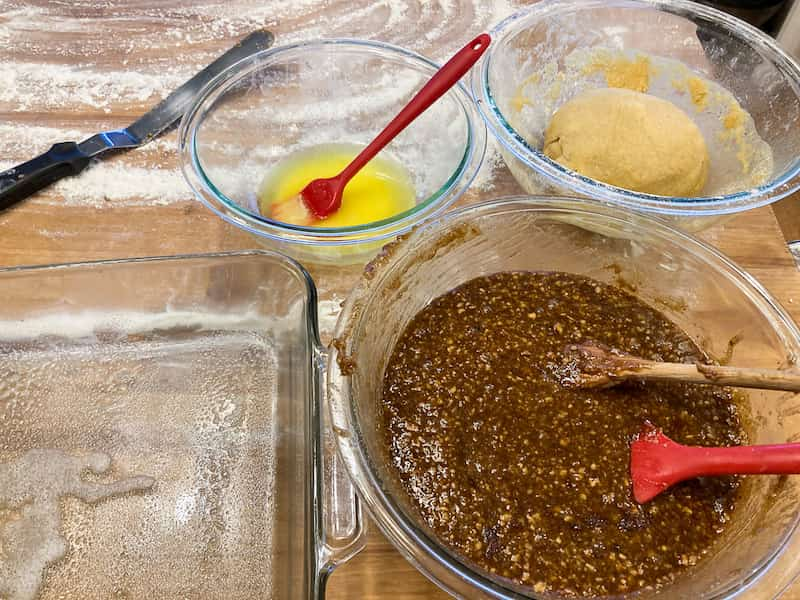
668, 108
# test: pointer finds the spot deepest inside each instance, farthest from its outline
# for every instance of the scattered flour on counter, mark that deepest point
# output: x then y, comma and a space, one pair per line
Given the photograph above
486, 14
327, 314
492, 161
119, 183
58, 65
22, 141
397, 15
30, 85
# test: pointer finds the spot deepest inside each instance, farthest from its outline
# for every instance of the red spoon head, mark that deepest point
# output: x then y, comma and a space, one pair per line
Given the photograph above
323, 197
652, 463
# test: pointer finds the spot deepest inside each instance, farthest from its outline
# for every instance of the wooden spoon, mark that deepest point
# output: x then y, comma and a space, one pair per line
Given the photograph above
658, 463
323, 197
597, 366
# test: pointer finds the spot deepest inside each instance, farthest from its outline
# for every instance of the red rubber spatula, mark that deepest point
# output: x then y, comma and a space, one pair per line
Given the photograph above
323, 197
658, 463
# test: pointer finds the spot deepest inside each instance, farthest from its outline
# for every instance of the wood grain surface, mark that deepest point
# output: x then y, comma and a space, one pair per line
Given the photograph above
69, 69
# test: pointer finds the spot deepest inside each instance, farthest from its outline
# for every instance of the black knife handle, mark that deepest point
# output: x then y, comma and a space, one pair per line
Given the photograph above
62, 160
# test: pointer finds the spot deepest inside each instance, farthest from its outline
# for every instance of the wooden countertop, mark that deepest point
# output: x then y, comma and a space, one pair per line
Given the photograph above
71, 69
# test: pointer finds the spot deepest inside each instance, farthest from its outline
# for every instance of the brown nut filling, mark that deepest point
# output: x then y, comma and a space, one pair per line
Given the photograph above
530, 479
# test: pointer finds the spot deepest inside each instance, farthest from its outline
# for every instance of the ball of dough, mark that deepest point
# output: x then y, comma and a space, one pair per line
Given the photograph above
631, 140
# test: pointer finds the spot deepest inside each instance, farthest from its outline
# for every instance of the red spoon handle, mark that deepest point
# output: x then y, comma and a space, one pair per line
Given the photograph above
658, 462
443, 80
774, 459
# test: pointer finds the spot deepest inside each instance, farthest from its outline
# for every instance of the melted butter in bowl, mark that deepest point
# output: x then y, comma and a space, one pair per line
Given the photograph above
379, 191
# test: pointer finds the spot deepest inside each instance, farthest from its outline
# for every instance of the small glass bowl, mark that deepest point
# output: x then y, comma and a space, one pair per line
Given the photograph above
720, 48
279, 101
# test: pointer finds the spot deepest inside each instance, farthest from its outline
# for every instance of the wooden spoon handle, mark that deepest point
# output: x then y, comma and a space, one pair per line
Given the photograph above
765, 379
600, 366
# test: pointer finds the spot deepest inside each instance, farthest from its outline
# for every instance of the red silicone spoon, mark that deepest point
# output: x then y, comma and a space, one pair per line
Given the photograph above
323, 197
658, 463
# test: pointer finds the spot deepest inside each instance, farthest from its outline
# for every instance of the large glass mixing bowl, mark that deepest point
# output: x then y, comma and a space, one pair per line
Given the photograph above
694, 285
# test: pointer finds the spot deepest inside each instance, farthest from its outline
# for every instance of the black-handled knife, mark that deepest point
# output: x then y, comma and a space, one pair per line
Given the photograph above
70, 158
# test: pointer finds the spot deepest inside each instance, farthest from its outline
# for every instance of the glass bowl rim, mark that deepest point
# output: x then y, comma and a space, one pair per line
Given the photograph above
400, 528
207, 192
778, 187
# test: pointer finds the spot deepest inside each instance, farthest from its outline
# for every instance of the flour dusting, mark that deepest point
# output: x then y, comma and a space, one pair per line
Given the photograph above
62, 81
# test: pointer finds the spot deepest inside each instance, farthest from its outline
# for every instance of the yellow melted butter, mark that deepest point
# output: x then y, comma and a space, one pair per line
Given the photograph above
382, 189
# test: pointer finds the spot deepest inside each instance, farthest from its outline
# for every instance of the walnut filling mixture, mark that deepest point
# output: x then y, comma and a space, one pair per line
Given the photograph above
530, 479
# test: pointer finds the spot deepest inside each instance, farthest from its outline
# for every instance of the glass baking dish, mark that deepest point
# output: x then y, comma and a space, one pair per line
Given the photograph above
161, 432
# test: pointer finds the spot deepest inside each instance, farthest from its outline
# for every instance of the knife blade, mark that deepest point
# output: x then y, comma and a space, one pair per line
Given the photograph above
70, 158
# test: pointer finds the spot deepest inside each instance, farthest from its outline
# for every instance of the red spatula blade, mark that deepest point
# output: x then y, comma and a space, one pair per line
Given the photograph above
652, 456
323, 197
